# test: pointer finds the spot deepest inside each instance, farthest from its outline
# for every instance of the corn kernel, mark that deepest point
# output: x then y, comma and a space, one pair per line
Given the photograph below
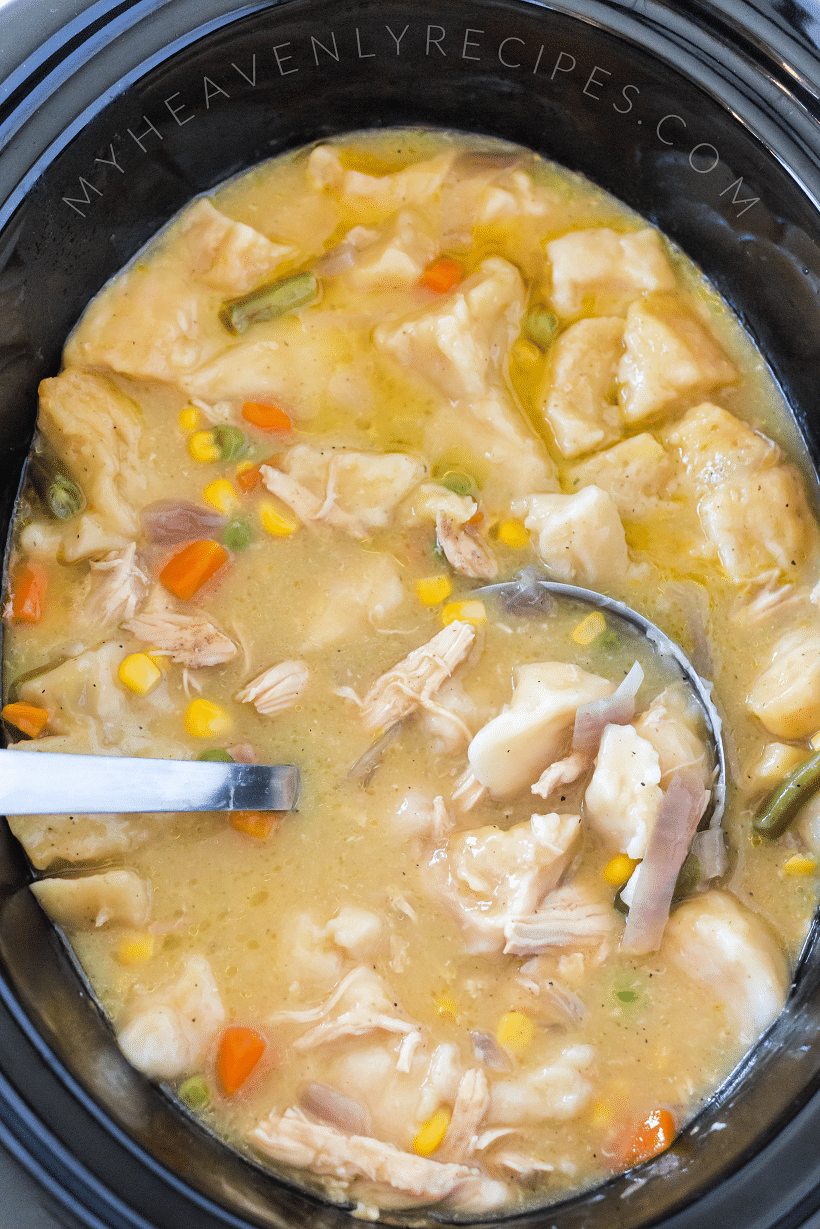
446, 1004
204, 719
814, 741
135, 949
275, 522
433, 589
139, 673
433, 1132
601, 1114
514, 534
189, 418
468, 612
618, 870
221, 494
203, 447
526, 352
799, 864
515, 1031
590, 628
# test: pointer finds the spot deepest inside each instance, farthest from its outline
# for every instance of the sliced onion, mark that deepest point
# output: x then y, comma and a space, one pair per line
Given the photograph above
709, 847
170, 520
592, 718
525, 596
489, 1052
331, 1106
653, 883
336, 260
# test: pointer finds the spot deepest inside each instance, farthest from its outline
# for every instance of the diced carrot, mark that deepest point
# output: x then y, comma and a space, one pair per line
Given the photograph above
240, 1049
28, 591
442, 275
250, 477
27, 718
255, 823
652, 1136
189, 569
268, 417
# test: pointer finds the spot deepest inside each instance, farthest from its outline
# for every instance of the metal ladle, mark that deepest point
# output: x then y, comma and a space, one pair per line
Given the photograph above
53, 783
528, 594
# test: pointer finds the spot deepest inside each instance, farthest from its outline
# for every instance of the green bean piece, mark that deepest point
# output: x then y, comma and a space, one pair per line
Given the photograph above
268, 302
215, 755
193, 1092
459, 482
539, 326
784, 803
64, 498
238, 534
231, 442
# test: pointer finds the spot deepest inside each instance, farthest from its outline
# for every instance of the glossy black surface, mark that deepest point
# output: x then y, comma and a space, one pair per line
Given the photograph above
704, 117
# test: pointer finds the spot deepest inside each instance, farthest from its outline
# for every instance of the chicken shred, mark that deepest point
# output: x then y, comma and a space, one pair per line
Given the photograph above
293, 1140
416, 679
471, 1105
190, 640
277, 688
464, 550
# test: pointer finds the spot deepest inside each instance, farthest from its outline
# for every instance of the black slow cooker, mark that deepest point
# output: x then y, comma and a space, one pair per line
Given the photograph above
705, 117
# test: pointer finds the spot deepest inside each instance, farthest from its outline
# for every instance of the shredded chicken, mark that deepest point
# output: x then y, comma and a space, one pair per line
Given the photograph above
568, 917
561, 772
365, 1007
468, 791
190, 640
464, 550
417, 678
293, 1140
117, 588
277, 688
471, 1105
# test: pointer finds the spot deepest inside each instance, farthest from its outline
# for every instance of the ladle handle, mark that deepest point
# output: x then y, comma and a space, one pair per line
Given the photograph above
51, 783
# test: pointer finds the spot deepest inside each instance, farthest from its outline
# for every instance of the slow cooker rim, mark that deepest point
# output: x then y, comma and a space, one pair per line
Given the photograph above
717, 62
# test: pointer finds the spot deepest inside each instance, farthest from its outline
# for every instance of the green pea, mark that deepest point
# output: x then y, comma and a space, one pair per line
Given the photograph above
268, 302
459, 482
238, 534
215, 755
231, 442
193, 1092
539, 326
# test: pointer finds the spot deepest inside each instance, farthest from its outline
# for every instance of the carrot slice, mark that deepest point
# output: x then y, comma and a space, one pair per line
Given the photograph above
268, 417
652, 1136
255, 823
189, 569
29, 586
442, 275
248, 479
27, 718
240, 1049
